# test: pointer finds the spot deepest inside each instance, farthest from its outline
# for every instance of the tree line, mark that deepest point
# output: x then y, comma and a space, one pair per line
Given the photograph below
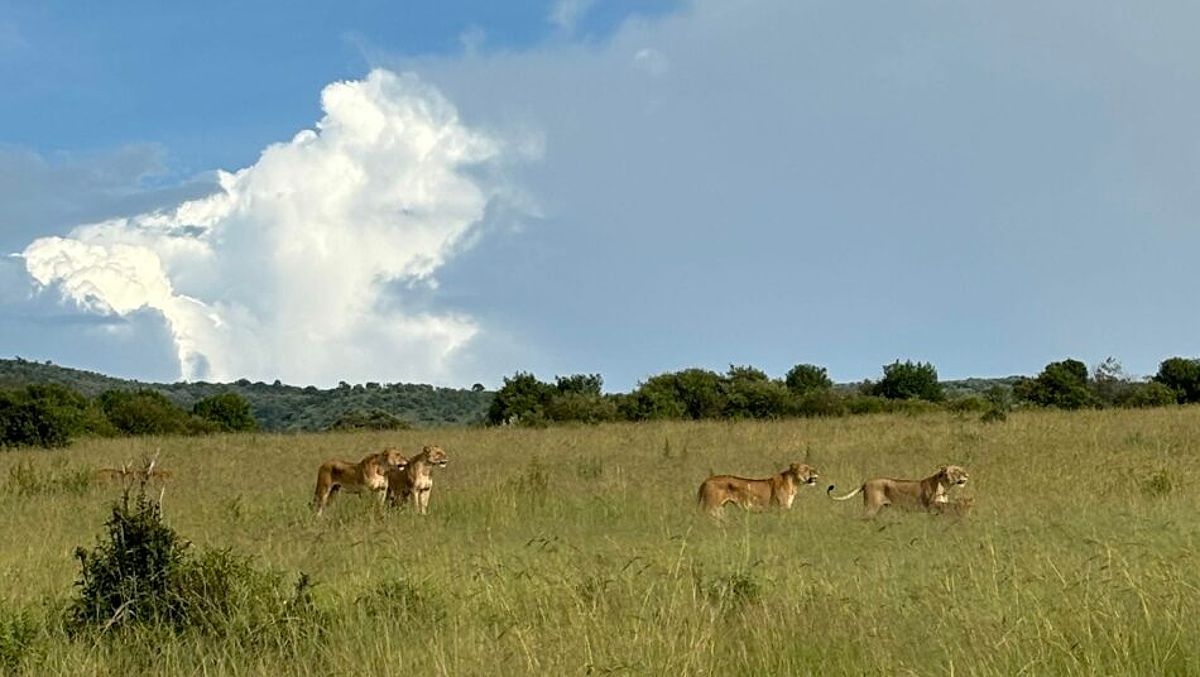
806, 390
51, 415
279, 407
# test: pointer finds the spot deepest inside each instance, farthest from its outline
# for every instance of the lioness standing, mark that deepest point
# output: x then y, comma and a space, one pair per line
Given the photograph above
779, 490
369, 474
415, 481
926, 494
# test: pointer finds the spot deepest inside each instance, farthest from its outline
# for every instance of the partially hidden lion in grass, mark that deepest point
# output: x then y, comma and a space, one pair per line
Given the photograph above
415, 482
369, 474
778, 490
927, 494
959, 507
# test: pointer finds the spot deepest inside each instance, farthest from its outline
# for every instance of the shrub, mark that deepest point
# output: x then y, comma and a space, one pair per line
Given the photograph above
582, 407
29, 422
1149, 394
47, 415
229, 411
143, 574
820, 403
149, 412
128, 577
968, 404
994, 416
910, 380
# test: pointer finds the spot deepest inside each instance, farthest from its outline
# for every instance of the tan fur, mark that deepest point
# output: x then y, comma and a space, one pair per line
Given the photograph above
415, 482
369, 474
927, 494
778, 490
959, 507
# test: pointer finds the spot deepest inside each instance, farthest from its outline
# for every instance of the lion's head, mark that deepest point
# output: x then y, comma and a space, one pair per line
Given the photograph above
955, 475
436, 456
391, 459
804, 473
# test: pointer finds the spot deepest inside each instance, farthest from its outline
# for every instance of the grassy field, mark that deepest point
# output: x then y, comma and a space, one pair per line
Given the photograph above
580, 551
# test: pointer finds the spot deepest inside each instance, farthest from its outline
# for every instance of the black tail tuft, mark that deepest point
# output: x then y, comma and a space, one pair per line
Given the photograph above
829, 490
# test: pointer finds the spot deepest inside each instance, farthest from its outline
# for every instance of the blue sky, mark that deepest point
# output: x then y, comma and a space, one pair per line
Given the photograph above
616, 187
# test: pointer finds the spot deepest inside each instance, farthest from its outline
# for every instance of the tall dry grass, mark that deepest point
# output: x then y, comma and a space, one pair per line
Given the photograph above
580, 551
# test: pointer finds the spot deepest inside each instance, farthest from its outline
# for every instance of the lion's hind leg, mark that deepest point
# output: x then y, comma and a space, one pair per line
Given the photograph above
324, 493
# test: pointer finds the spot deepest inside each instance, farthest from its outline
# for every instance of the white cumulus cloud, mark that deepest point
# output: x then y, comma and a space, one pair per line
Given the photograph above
291, 268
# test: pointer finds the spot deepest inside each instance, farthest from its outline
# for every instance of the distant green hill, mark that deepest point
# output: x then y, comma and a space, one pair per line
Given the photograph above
280, 407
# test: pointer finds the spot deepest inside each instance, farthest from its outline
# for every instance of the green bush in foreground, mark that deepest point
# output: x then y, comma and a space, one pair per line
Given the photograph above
143, 574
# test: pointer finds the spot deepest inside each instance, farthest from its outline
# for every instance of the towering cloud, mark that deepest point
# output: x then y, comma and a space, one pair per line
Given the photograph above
297, 267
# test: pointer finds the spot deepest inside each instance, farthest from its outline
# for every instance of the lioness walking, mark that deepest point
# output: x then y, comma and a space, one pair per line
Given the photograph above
926, 494
778, 490
415, 481
369, 474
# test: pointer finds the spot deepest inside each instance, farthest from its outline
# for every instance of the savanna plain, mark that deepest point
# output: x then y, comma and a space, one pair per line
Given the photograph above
580, 550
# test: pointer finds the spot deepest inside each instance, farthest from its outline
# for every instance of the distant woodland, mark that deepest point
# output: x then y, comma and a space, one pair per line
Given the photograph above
42, 404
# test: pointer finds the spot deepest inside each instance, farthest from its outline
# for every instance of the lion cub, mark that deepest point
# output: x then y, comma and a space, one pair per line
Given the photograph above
779, 490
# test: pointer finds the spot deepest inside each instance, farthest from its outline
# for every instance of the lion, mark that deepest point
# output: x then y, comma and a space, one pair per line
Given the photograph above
779, 490
960, 507
368, 474
928, 494
415, 482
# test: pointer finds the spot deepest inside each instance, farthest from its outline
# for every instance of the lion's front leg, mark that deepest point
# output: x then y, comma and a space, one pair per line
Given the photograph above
423, 501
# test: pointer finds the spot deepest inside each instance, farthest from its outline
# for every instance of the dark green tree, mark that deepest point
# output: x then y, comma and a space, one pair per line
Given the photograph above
582, 384
910, 380
25, 421
691, 393
522, 399
1182, 376
149, 412
750, 393
229, 411
1062, 384
805, 378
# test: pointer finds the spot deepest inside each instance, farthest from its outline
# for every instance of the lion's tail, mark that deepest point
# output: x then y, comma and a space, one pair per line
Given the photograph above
852, 494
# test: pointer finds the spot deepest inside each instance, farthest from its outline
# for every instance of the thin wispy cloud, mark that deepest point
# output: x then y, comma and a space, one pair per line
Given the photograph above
290, 270
566, 14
